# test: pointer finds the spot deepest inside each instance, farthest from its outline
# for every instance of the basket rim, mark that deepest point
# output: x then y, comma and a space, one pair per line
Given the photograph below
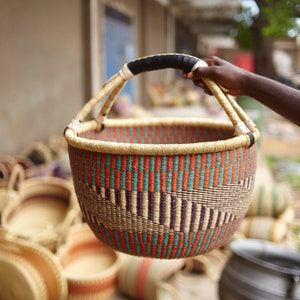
155, 149
66, 249
35, 254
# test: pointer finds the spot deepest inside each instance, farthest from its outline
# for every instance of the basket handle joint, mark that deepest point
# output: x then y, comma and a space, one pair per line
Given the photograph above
242, 128
251, 138
125, 73
74, 125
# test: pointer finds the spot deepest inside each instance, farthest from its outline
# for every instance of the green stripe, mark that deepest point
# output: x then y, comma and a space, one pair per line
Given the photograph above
163, 166
179, 180
154, 239
201, 181
211, 231
235, 176
146, 180
117, 239
118, 162
137, 243
199, 243
141, 164
123, 179
208, 160
175, 163
243, 162
191, 180
157, 181
229, 176
186, 162
189, 246
221, 176
134, 181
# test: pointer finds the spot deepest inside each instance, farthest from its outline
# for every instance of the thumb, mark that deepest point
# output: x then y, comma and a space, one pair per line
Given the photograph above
201, 72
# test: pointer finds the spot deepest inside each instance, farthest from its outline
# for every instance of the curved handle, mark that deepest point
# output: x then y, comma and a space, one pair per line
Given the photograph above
162, 61
16, 177
187, 63
113, 86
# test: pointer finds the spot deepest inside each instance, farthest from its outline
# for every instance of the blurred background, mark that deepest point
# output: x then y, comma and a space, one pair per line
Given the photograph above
57, 54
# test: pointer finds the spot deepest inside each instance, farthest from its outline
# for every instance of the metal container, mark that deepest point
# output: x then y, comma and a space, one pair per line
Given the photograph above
260, 270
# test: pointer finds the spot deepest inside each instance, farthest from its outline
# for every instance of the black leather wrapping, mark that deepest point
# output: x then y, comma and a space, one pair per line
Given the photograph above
162, 61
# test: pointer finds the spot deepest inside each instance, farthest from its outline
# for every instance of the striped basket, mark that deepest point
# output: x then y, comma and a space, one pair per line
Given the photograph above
162, 187
145, 278
270, 200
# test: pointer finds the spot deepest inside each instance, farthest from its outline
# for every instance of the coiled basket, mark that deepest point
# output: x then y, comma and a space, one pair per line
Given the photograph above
162, 187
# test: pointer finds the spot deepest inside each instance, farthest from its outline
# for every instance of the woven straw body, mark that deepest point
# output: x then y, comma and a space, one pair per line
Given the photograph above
29, 271
89, 266
162, 188
167, 206
41, 212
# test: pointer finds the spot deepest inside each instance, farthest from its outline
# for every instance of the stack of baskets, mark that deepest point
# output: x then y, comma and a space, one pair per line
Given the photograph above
162, 188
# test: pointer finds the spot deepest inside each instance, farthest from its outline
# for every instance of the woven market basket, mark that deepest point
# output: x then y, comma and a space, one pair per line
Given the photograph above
42, 211
29, 271
91, 267
162, 187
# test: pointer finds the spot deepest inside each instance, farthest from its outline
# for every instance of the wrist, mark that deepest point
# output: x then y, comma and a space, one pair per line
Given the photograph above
249, 83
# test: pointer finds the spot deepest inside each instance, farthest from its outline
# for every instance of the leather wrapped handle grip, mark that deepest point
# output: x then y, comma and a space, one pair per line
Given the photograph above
162, 61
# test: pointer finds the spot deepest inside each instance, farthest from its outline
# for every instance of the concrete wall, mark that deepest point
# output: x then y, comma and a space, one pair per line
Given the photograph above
42, 69
47, 63
154, 37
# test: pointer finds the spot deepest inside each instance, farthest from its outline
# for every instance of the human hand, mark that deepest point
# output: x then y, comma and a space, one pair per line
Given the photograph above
230, 77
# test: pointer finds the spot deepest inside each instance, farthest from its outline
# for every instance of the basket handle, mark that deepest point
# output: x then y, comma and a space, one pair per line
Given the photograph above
186, 63
161, 61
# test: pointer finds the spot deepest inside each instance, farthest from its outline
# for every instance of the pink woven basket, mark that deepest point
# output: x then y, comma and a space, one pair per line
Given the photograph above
162, 187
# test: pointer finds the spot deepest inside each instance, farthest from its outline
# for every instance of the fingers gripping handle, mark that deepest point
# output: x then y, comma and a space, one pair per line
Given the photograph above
186, 63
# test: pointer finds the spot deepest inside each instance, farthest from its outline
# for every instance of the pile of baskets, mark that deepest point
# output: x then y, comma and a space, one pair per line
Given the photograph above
43, 236
159, 188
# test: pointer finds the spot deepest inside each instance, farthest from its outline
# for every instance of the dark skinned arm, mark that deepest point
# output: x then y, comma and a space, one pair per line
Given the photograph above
280, 98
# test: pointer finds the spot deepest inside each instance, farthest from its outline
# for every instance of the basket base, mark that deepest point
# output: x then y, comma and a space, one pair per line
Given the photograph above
166, 245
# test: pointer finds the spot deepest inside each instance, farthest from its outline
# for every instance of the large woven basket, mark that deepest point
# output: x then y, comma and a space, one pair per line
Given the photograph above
162, 187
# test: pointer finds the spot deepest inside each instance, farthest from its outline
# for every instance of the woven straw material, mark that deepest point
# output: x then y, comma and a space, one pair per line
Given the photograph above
163, 205
270, 200
264, 228
41, 210
141, 277
29, 271
162, 188
91, 268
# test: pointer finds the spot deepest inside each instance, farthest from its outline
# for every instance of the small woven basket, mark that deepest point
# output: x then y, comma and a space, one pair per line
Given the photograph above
162, 187
42, 210
91, 267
